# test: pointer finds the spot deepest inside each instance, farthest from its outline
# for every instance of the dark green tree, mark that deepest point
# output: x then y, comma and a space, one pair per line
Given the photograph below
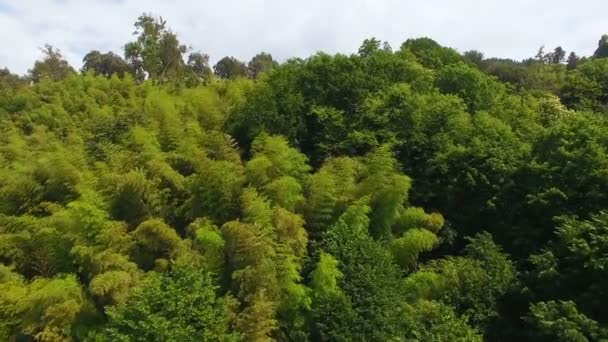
198, 70
157, 53
180, 305
262, 62
52, 66
230, 68
573, 61
602, 47
558, 55
105, 64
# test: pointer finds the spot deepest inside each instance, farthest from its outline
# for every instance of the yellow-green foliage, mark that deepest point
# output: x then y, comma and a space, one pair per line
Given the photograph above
407, 248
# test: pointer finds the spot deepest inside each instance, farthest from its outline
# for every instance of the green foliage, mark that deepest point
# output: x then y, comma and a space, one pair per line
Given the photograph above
477, 90
602, 48
573, 265
370, 279
260, 63
153, 240
574, 145
282, 160
208, 240
325, 276
561, 321
586, 86
152, 198
157, 53
407, 248
386, 187
178, 306
330, 190
45, 309
197, 69
133, 198
105, 64
432, 321
52, 67
472, 285
332, 314
429, 53
215, 190
230, 68
414, 217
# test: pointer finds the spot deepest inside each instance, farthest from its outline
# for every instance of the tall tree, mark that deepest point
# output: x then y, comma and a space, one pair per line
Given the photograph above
105, 64
540, 55
52, 65
602, 47
262, 62
369, 46
198, 68
573, 61
157, 52
558, 55
230, 68
474, 56
429, 53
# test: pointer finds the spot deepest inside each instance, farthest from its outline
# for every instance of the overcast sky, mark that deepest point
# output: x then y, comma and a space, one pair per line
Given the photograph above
286, 28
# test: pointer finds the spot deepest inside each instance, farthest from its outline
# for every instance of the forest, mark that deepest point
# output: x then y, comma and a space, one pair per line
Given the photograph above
415, 193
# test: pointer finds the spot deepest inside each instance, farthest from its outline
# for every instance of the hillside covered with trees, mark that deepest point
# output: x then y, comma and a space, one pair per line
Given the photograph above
395, 194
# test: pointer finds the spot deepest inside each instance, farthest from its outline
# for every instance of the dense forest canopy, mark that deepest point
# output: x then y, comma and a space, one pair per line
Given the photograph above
407, 194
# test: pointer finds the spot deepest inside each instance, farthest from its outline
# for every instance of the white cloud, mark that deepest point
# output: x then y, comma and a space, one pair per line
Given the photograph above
284, 28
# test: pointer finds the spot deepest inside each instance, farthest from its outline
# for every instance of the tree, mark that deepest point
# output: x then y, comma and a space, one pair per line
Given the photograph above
386, 188
157, 53
214, 191
251, 255
573, 61
371, 281
230, 68
177, 306
475, 57
133, 197
332, 314
332, 188
407, 248
585, 87
52, 66
558, 55
429, 53
558, 275
540, 55
476, 89
262, 62
9, 81
208, 240
153, 242
45, 309
434, 321
369, 46
569, 146
473, 285
272, 159
105, 64
281, 207
602, 47
198, 69
561, 321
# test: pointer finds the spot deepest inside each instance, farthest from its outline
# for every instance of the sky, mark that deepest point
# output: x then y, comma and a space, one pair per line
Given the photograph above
285, 28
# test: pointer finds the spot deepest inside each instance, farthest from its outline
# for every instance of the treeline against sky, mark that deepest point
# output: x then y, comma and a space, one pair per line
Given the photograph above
410, 194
